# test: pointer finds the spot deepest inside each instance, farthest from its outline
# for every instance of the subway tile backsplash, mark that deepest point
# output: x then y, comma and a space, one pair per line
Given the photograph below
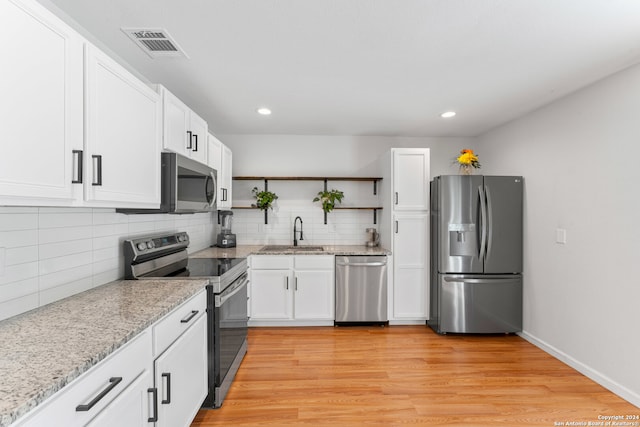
51, 253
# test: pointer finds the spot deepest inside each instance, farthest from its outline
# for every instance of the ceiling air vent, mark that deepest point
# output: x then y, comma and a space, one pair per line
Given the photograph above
156, 42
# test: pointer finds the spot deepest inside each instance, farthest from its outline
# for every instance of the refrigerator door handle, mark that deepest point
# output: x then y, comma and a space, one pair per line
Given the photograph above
482, 281
483, 219
489, 223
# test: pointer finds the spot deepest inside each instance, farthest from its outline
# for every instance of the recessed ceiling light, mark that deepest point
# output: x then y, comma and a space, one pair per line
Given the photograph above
264, 111
448, 114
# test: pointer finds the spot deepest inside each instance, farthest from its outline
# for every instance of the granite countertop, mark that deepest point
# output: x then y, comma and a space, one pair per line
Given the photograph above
46, 348
243, 251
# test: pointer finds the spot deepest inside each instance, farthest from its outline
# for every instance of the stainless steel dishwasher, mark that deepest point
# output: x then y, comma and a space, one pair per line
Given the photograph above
361, 289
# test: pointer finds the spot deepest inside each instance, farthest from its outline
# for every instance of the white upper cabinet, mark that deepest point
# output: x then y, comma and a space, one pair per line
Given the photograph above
40, 106
184, 132
122, 146
410, 179
225, 178
77, 128
221, 159
214, 154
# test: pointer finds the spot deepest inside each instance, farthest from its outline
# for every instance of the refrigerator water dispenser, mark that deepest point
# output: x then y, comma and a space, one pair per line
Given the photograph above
462, 240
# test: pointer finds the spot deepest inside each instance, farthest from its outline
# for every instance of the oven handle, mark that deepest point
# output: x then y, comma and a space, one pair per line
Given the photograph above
232, 290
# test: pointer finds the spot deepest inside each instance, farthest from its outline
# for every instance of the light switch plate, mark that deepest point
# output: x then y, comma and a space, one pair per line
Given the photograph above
561, 236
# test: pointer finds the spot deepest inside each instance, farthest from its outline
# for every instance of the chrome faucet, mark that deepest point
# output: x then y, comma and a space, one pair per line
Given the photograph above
295, 241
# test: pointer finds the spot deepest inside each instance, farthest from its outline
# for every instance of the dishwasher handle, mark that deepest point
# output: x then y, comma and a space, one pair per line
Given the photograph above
362, 264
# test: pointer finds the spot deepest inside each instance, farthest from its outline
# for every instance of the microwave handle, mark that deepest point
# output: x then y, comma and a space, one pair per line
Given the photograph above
213, 200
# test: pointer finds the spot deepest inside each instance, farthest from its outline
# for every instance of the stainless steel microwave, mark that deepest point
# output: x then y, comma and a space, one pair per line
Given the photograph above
186, 187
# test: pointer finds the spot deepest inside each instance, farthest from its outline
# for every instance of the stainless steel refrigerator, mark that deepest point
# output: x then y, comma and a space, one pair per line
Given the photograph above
476, 254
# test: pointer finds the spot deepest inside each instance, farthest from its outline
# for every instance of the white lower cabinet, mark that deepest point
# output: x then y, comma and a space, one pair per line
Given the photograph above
292, 290
158, 378
271, 295
131, 407
117, 384
181, 377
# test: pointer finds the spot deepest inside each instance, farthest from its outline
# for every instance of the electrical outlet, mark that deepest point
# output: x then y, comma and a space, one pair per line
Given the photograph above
561, 236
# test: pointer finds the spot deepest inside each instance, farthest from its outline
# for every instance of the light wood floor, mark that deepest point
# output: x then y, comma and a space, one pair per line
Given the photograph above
353, 376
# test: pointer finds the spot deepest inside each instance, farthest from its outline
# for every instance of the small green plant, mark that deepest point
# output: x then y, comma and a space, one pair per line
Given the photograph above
264, 199
329, 199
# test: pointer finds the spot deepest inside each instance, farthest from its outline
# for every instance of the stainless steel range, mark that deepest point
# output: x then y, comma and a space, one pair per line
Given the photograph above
165, 256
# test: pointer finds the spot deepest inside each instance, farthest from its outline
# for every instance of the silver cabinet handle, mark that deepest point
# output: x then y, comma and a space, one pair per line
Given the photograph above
396, 226
296, 283
287, 283
396, 197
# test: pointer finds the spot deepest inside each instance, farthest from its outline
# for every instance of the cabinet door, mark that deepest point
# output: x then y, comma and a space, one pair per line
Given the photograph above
410, 266
181, 377
132, 408
197, 147
271, 294
175, 127
314, 294
123, 136
411, 179
226, 177
214, 155
41, 106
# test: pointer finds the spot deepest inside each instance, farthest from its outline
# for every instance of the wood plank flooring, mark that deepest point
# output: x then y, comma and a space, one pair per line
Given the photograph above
405, 375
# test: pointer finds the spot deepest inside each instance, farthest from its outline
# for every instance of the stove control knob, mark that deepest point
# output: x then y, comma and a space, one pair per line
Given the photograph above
182, 238
141, 246
150, 244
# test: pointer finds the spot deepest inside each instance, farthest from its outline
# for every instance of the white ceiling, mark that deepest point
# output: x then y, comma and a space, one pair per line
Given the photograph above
370, 67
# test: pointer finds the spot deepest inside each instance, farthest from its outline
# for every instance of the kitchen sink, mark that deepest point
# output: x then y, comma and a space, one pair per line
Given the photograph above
291, 248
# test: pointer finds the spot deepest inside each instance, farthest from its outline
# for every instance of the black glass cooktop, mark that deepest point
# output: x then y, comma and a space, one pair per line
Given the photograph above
211, 267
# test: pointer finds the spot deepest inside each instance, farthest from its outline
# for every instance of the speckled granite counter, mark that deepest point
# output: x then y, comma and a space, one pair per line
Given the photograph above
45, 349
243, 251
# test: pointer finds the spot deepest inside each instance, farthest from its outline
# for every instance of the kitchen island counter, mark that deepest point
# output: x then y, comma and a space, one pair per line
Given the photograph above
45, 349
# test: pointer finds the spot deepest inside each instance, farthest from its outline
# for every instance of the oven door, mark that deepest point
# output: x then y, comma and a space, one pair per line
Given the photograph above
230, 328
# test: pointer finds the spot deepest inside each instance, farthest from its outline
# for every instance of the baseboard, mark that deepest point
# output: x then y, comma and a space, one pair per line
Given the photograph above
606, 382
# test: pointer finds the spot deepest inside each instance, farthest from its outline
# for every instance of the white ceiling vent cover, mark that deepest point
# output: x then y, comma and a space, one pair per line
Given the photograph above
156, 42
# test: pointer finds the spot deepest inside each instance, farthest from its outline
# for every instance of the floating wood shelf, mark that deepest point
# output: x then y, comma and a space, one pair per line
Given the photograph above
306, 178
326, 179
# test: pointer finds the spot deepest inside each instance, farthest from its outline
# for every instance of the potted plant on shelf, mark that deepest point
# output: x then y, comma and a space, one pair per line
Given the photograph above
264, 199
329, 199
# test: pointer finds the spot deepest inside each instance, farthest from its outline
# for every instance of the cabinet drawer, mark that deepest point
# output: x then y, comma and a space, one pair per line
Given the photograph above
314, 262
109, 377
170, 327
271, 262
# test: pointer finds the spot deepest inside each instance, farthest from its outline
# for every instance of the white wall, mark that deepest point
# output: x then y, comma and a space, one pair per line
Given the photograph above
578, 157
312, 155
52, 253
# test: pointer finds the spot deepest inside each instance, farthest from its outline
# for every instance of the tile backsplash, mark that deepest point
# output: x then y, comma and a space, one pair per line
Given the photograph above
47, 254
343, 227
